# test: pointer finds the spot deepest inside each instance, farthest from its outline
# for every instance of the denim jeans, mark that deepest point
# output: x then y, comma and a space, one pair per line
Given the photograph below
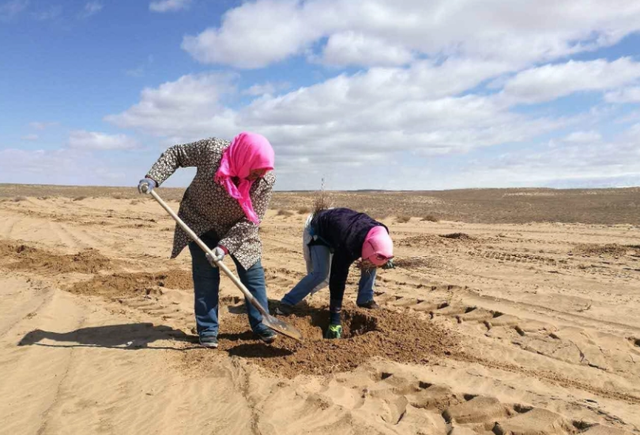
206, 283
320, 256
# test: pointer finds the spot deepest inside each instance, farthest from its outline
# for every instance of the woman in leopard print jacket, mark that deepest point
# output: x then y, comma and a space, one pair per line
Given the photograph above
224, 205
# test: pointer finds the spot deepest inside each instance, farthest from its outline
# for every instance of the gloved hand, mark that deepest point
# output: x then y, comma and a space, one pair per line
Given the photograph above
219, 253
389, 264
151, 184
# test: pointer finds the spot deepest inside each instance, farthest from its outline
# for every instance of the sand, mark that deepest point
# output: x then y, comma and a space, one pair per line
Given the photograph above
485, 328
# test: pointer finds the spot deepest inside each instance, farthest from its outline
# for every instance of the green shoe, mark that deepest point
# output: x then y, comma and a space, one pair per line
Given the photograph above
333, 331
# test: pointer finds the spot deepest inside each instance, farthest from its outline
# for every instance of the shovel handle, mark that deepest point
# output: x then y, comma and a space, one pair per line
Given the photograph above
205, 248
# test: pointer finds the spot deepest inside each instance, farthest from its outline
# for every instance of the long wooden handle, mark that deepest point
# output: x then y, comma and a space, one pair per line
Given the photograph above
206, 249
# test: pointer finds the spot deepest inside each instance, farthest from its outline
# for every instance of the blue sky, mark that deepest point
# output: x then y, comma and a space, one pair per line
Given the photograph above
366, 94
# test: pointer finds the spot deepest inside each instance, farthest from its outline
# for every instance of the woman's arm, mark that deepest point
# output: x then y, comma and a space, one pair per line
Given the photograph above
179, 156
244, 229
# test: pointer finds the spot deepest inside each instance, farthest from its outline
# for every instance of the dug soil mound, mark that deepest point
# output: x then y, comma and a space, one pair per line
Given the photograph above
610, 249
380, 333
16, 256
132, 284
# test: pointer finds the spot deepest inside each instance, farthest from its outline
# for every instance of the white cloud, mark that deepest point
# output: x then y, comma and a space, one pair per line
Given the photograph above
627, 95
10, 9
168, 5
188, 107
91, 9
363, 119
63, 166
521, 33
351, 48
268, 88
583, 137
548, 82
253, 35
564, 163
50, 13
87, 140
30, 137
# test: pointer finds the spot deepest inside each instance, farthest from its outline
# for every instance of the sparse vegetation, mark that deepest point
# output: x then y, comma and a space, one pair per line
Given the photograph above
403, 219
304, 210
322, 201
284, 213
19, 199
79, 198
430, 218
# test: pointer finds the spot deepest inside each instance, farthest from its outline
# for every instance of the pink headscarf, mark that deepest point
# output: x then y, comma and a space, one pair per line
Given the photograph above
378, 242
248, 151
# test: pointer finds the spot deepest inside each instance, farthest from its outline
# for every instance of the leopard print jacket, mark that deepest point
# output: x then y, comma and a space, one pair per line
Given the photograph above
207, 206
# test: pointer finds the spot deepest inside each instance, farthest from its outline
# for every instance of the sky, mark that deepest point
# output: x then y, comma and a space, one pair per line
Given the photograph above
365, 94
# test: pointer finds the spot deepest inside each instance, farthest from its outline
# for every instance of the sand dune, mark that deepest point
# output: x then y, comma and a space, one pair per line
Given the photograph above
485, 329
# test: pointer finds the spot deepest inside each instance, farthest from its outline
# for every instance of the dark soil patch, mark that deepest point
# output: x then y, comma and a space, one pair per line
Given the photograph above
130, 284
413, 262
610, 249
458, 236
22, 257
381, 333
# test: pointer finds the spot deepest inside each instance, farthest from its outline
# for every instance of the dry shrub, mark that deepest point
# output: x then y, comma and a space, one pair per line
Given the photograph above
284, 213
79, 198
403, 219
304, 210
321, 200
117, 196
19, 199
378, 215
136, 201
430, 218
43, 198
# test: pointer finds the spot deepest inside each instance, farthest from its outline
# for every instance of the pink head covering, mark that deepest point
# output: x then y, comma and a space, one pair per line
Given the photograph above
378, 246
248, 151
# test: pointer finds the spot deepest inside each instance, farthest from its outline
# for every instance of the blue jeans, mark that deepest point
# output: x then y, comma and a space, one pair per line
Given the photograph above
206, 283
320, 256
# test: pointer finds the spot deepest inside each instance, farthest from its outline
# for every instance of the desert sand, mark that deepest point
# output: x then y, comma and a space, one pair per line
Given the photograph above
489, 325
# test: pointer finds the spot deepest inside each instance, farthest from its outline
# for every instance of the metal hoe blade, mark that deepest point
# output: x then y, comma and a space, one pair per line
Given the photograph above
268, 320
282, 327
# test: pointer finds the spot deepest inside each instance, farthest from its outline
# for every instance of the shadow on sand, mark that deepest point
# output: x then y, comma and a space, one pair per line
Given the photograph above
129, 336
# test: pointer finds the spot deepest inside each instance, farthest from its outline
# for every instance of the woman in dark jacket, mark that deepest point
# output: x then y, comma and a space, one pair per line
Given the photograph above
348, 235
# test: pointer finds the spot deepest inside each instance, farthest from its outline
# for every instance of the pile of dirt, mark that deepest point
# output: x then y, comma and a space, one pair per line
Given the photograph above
381, 333
421, 240
431, 240
414, 262
17, 256
458, 236
610, 249
129, 284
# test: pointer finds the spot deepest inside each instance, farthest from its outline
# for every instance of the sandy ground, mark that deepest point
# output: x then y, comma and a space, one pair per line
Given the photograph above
493, 329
